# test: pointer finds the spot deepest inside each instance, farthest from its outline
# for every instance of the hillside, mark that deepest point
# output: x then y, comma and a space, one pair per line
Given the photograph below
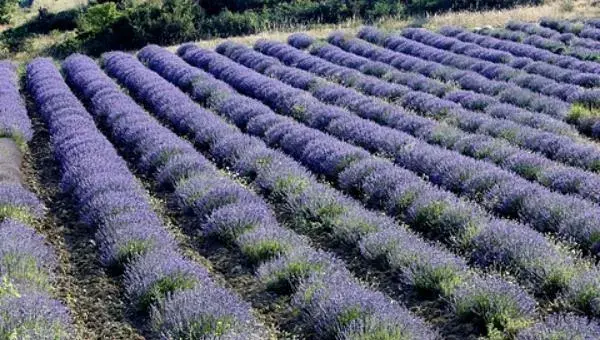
338, 182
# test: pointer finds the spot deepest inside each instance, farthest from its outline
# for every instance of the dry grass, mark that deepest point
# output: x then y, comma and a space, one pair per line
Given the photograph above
54, 6
58, 5
556, 9
319, 31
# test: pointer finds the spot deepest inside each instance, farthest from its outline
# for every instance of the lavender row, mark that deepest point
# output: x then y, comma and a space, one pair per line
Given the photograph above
14, 122
238, 216
15, 126
532, 29
389, 115
594, 22
561, 47
584, 69
562, 26
567, 43
507, 93
584, 118
588, 34
381, 112
398, 43
496, 108
550, 35
507, 130
373, 234
530, 166
157, 279
502, 33
542, 65
561, 326
537, 63
396, 191
415, 81
233, 213
497, 190
27, 262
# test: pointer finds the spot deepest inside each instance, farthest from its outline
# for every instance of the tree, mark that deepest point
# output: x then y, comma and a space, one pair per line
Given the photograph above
7, 8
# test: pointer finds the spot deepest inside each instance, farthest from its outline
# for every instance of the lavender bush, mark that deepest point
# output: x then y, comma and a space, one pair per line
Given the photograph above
562, 327
314, 202
442, 167
526, 164
27, 262
223, 207
300, 196
570, 93
119, 208
424, 208
14, 122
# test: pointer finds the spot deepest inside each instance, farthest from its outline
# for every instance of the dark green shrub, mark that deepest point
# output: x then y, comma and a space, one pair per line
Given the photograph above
61, 21
228, 23
98, 18
166, 22
281, 13
213, 7
7, 8
432, 6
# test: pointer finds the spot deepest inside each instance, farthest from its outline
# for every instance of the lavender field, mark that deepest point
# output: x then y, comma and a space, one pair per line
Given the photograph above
377, 186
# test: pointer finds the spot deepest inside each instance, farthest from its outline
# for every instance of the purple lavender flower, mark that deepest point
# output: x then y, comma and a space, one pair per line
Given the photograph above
420, 265
562, 326
288, 181
300, 40
203, 312
494, 304
264, 243
18, 203
25, 258
337, 303
14, 121
288, 269
34, 316
119, 244
542, 264
155, 275
235, 219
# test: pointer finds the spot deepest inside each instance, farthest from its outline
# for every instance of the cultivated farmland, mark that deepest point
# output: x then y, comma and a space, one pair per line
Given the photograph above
383, 185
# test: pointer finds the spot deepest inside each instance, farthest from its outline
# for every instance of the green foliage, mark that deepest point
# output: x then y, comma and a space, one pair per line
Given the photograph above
584, 114
98, 18
208, 325
7, 8
249, 16
432, 6
62, 21
166, 22
216, 6
229, 23
20, 214
285, 277
499, 315
7, 288
263, 250
130, 250
439, 281
165, 286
